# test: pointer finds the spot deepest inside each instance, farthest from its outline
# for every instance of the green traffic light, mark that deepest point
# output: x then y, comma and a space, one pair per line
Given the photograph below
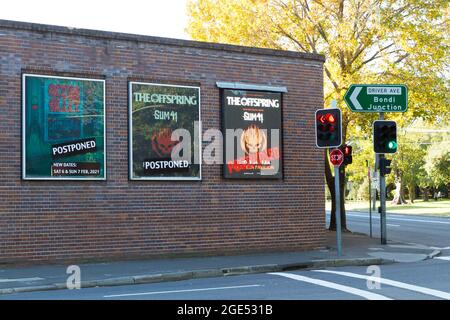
392, 145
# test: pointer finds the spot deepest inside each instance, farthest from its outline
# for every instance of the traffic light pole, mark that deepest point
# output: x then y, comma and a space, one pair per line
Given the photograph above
337, 194
370, 197
382, 204
382, 196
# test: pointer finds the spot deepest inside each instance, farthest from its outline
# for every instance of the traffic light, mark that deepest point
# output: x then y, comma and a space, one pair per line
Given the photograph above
347, 154
385, 166
385, 136
328, 128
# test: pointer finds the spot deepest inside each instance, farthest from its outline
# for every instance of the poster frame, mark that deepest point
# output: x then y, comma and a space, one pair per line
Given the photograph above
130, 134
261, 89
50, 178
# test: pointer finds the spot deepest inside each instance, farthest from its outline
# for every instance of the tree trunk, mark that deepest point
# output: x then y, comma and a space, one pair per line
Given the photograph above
343, 183
399, 197
330, 183
412, 192
425, 194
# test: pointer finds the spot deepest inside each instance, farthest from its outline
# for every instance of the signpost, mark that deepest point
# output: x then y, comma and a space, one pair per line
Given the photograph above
370, 196
377, 98
336, 158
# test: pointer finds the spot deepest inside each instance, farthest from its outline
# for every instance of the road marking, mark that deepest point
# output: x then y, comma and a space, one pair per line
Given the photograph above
393, 225
398, 284
362, 293
20, 280
180, 291
416, 246
400, 219
443, 258
440, 248
408, 246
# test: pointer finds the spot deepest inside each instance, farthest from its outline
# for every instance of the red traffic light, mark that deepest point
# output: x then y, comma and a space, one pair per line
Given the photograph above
330, 118
328, 128
348, 159
348, 150
327, 118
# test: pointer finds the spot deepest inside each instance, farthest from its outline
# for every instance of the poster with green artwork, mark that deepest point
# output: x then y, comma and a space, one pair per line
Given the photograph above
164, 125
63, 128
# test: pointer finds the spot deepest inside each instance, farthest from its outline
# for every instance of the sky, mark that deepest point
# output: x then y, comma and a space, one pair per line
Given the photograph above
163, 18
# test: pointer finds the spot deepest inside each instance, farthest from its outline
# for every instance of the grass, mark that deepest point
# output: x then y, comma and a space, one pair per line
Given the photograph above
419, 207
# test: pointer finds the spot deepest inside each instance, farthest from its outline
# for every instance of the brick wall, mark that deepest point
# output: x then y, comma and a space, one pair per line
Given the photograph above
49, 221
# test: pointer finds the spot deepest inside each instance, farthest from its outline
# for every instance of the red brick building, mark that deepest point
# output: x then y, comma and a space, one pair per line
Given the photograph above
120, 218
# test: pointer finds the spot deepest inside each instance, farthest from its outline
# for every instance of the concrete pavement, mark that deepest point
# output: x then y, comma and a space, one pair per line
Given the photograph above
358, 250
425, 230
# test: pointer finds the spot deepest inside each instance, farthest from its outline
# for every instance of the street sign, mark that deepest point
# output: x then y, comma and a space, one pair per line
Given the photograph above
377, 98
336, 157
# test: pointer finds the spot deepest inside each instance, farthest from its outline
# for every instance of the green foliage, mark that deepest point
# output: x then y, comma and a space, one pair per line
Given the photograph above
367, 41
437, 164
364, 41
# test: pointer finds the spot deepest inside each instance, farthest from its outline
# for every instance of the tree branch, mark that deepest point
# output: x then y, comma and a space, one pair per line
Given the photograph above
328, 73
373, 57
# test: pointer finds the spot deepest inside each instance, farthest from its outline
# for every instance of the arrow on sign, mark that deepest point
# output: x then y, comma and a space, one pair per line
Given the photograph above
354, 96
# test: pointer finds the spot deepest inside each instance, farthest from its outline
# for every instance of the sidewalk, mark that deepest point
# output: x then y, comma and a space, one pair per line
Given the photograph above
358, 250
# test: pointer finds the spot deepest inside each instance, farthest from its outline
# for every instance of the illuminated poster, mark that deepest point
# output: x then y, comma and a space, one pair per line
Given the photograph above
63, 128
252, 134
164, 139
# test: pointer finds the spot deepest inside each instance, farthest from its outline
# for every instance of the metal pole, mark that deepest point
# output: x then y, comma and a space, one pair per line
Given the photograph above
382, 197
338, 211
374, 198
370, 198
383, 205
375, 191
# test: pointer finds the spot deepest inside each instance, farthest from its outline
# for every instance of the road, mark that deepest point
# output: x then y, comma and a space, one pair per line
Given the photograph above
426, 230
424, 280
429, 279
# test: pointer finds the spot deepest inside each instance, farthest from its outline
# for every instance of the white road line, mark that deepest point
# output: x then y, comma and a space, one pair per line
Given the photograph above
400, 219
362, 293
20, 280
398, 284
406, 246
443, 258
392, 225
180, 291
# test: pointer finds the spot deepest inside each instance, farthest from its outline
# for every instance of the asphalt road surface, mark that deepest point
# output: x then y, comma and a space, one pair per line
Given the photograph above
429, 279
424, 280
426, 230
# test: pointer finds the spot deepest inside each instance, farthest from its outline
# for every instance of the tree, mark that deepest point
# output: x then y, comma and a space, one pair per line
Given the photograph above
437, 164
364, 41
407, 168
430, 147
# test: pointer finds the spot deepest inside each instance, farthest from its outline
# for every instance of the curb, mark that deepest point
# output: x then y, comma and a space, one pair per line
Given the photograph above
207, 273
434, 254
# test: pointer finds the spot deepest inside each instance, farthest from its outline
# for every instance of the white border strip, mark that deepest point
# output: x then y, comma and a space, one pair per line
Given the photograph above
443, 258
21, 279
179, 291
398, 284
249, 86
358, 292
130, 134
24, 177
